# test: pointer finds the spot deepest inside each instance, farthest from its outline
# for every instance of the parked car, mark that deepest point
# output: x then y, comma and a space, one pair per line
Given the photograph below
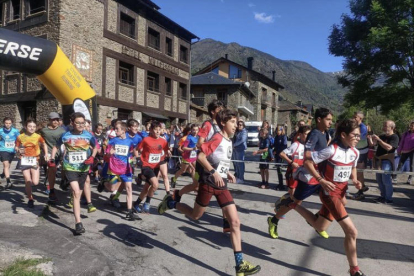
252, 128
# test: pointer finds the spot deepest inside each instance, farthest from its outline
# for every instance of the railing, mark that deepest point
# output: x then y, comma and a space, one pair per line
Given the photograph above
247, 105
198, 101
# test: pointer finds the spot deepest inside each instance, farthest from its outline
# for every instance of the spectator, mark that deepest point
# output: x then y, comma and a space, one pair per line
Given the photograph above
240, 145
406, 149
384, 159
280, 144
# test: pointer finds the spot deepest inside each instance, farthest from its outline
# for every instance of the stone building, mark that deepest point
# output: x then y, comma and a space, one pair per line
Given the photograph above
234, 94
136, 59
265, 90
290, 114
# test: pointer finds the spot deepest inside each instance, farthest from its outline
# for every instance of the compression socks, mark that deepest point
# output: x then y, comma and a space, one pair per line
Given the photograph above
116, 196
353, 269
275, 220
148, 200
238, 256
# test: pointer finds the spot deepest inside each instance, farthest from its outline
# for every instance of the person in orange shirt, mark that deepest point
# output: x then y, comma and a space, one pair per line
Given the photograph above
28, 147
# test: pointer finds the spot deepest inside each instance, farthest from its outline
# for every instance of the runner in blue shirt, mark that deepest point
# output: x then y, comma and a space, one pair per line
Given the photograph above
8, 136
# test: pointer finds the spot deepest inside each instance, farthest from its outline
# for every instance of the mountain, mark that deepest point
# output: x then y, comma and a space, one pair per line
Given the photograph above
302, 82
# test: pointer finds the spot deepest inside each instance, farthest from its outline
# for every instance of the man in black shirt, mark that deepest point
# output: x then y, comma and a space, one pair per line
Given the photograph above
387, 143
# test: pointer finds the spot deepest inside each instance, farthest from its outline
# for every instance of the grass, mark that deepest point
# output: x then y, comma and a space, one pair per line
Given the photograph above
24, 267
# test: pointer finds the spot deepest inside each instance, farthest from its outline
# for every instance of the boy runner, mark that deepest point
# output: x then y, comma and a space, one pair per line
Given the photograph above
76, 162
341, 159
215, 158
151, 149
317, 140
51, 135
8, 136
118, 153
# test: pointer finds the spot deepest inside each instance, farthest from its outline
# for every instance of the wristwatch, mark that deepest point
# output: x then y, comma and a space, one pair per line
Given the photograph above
212, 171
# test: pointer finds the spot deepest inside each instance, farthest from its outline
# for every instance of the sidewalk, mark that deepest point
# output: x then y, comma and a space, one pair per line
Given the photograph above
174, 245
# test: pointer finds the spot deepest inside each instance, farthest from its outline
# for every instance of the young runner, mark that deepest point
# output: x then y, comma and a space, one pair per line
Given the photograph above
118, 153
51, 134
8, 136
264, 150
80, 151
28, 146
215, 158
100, 139
317, 140
146, 131
341, 159
151, 149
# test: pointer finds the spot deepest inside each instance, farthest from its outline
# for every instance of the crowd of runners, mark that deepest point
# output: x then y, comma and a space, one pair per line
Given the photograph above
317, 163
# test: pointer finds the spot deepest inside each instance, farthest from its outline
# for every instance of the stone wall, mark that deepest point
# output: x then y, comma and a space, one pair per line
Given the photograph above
44, 107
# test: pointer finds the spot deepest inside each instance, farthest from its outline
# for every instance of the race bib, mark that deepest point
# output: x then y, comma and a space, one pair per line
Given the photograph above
77, 157
121, 150
193, 154
342, 173
223, 168
154, 158
9, 144
28, 161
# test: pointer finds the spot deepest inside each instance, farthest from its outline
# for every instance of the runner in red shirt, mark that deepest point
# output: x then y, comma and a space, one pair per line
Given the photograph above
153, 150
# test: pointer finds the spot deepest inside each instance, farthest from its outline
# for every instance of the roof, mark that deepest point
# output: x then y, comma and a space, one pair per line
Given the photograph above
260, 76
211, 78
288, 106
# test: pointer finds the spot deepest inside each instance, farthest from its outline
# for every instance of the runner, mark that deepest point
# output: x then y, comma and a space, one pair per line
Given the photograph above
215, 158
77, 159
146, 131
8, 136
28, 147
118, 153
51, 134
317, 140
151, 149
363, 148
341, 159
100, 139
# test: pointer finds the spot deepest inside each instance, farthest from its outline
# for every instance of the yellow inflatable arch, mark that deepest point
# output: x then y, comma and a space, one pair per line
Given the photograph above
44, 58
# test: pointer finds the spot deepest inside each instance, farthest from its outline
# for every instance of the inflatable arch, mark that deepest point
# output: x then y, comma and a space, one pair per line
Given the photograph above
43, 58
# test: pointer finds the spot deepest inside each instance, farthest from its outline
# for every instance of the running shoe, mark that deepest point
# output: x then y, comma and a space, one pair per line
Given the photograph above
173, 183
115, 202
146, 208
409, 181
359, 195
358, 273
163, 206
323, 234
226, 226
284, 200
131, 216
246, 268
8, 186
79, 229
101, 186
52, 196
272, 228
91, 208
30, 203
70, 204
365, 188
379, 200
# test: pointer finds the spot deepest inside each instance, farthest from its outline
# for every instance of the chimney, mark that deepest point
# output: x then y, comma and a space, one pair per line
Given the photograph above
274, 76
250, 63
226, 56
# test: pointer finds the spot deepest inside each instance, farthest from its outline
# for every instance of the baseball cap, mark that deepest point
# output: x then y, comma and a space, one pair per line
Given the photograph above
54, 115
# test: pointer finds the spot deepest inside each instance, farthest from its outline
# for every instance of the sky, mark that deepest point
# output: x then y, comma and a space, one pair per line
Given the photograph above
286, 29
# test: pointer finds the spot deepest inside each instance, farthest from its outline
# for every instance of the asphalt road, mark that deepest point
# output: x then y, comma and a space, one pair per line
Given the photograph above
174, 245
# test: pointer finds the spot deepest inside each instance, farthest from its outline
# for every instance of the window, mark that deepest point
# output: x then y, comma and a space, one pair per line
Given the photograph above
215, 70
183, 91
153, 39
183, 54
153, 81
126, 73
127, 25
222, 95
168, 87
234, 72
35, 6
168, 46
14, 10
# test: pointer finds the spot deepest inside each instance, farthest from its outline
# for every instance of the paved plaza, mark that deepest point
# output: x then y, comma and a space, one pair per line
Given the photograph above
174, 245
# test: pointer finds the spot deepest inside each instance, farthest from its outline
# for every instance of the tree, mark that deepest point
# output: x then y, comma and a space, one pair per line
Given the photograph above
377, 42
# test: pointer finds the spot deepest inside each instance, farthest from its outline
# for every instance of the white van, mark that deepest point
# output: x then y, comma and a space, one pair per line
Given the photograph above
253, 128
